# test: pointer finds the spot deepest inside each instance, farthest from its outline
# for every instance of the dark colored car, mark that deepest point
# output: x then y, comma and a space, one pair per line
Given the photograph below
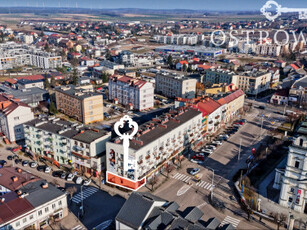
3, 162
57, 173
10, 158
18, 161
261, 107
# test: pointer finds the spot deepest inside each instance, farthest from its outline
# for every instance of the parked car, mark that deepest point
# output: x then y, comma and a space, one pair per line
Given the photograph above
217, 142
18, 161
63, 175
208, 151
87, 182
210, 147
108, 105
194, 171
47, 169
16, 148
33, 164
198, 157
10, 157
79, 180
57, 173
130, 112
261, 107
25, 163
70, 177
3, 162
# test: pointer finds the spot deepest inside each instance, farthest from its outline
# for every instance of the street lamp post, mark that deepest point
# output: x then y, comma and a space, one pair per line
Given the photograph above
212, 183
261, 126
240, 149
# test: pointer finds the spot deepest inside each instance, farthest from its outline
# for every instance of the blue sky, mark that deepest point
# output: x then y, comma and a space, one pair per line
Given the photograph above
156, 4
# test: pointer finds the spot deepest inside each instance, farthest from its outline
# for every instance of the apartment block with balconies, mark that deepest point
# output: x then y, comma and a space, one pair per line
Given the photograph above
82, 104
64, 142
157, 144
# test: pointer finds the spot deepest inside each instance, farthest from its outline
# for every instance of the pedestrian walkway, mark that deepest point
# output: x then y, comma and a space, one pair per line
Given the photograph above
182, 177
85, 194
230, 220
78, 227
205, 185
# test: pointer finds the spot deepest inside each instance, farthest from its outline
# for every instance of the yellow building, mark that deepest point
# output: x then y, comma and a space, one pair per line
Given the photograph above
82, 104
219, 88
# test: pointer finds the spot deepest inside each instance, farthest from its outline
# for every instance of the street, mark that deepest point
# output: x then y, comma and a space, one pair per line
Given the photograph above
217, 171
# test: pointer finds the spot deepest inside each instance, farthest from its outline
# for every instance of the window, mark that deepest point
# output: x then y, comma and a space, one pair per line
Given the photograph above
31, 217
53, 206
17, 224
301, 142
24, 220
292, 190
297, 164
40, 212
290, 199
47, 209
60, 203
16, 118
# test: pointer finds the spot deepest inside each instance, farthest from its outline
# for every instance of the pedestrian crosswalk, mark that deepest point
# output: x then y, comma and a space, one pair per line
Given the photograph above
230, 220
205, 185
78, 227
85, 194
182, 177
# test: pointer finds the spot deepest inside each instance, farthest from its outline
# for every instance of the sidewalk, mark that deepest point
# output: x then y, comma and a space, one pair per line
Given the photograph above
69, 222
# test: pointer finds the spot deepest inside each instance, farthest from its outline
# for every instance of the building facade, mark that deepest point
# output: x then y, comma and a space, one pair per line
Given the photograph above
173, 85
217, 76
13, 114
252, 82
156, 144
67, 143
131, 92
80, 103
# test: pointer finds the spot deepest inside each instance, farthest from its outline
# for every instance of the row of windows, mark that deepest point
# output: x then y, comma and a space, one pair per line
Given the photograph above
40, 212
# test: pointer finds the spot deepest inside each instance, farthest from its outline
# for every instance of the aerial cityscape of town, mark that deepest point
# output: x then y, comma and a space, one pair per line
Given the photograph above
153, 115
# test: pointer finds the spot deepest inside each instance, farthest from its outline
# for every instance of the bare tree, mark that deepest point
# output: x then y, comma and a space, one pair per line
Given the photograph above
71, 191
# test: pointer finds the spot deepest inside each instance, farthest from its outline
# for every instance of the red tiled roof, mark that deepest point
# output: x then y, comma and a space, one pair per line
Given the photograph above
208, 106
127, 79
32, 77
11, 81
183, 62
204, 66
13, 207
231, 97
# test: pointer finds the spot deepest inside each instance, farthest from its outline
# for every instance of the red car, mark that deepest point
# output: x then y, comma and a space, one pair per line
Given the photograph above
16, 149
198, 157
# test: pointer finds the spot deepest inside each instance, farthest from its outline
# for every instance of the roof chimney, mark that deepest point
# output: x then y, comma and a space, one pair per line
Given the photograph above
14, 178
45, 185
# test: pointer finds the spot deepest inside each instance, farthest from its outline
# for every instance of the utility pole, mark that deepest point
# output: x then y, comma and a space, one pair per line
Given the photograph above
285, 110
261, 127
240, 149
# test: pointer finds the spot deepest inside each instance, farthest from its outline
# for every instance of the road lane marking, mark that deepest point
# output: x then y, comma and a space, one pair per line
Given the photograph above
183, 190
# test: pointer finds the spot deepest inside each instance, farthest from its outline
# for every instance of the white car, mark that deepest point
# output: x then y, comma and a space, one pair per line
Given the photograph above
79, 180
211, 147
87, 182
194, 171
217, 142
47, 169
208, 151
70, 177
33, 164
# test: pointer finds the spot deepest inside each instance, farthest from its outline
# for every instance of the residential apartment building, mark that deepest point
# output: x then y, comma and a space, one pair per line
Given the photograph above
216, 111
158, 143
290, 181
13, 114
127, 58
178, 39
29, 201
67, 143
173, 85
81, 103
217, 76
131, 92
13, 54
252, 82
268, 50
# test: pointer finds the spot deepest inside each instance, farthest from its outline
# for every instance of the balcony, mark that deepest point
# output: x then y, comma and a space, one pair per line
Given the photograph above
192, 134
210, 122
147, 157
217, 117
140, 162
158, 157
